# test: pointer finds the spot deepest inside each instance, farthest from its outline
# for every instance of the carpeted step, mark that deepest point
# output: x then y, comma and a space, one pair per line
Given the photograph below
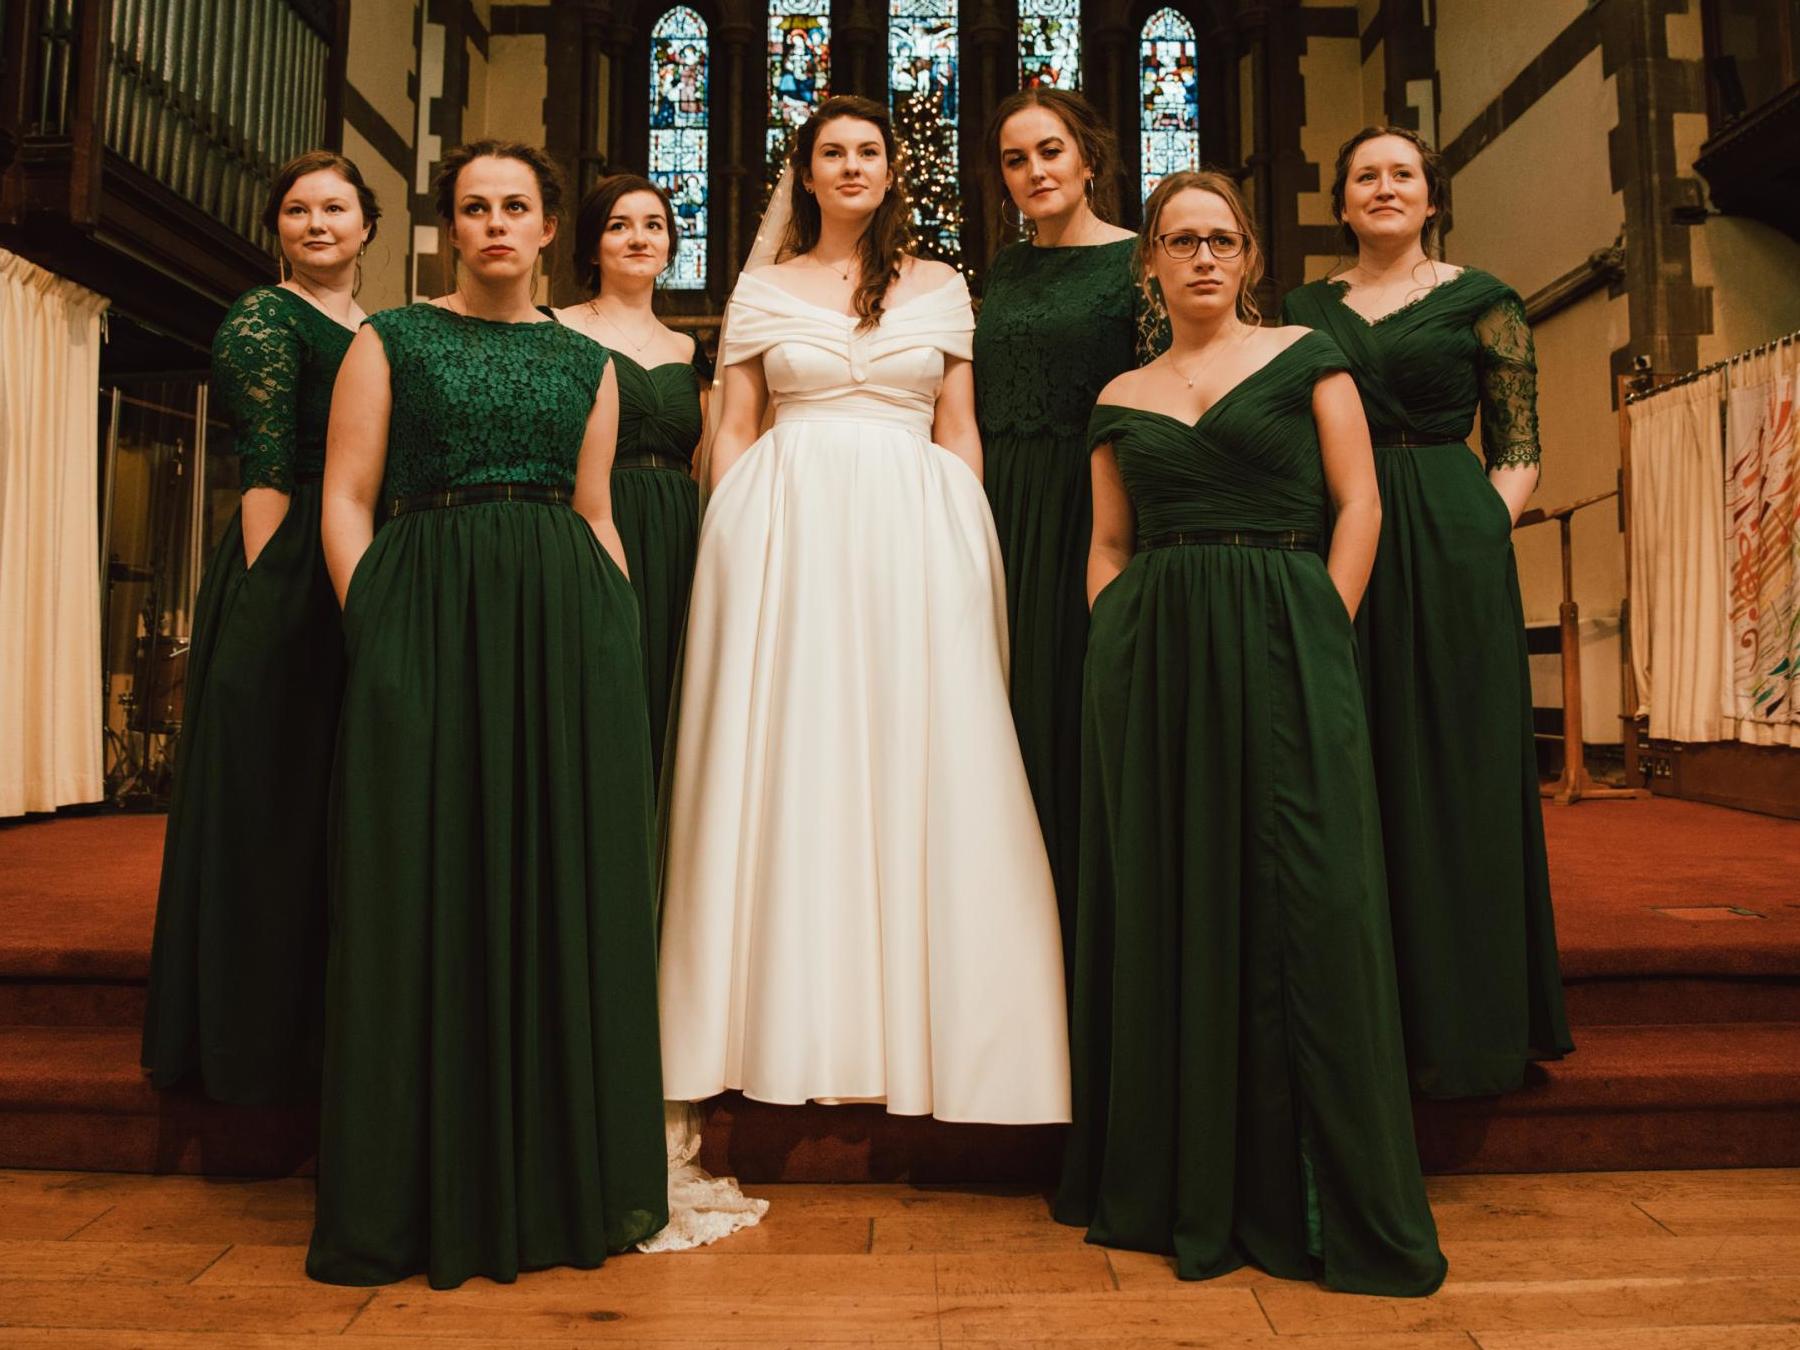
1631, 1097
1662, 999
75, 1098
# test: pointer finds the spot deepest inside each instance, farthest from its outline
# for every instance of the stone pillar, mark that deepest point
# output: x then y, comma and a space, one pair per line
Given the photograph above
988, 73
859, 48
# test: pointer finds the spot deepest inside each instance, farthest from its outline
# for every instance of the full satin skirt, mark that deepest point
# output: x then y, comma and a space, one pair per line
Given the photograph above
857, 904
237, 962
492, 1091
658, 515
1240, 1085
1042, 496
1442, 637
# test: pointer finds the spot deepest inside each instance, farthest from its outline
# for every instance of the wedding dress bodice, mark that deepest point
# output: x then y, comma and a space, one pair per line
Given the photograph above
819, 366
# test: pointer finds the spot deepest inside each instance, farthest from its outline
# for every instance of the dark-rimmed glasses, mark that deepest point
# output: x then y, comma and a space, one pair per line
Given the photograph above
1184, 244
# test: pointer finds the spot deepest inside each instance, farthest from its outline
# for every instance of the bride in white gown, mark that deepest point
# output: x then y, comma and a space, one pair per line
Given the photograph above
856, 904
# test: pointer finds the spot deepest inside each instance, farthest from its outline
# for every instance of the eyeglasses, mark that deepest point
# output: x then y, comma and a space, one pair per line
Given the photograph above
1184, 244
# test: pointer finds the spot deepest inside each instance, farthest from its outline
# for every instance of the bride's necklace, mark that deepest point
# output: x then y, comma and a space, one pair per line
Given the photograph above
639, 347
843, 275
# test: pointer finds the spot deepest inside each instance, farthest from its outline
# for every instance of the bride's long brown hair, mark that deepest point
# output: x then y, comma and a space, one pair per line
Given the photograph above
881, 248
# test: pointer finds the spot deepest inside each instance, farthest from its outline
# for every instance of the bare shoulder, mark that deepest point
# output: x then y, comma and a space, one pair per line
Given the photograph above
1443, 271
1285, 336
442, 301
1112, 234
1123, 389
924, 274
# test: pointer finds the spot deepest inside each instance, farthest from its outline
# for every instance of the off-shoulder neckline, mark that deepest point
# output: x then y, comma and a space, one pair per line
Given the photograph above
1223, 398
953, 279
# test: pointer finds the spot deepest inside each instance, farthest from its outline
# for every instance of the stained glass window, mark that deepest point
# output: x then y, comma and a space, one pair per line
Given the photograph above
1050, 44
1168, 83
922, 84
678, 90
799, 70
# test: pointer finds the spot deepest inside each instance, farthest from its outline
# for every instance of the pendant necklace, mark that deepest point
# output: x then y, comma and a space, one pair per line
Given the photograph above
641, 348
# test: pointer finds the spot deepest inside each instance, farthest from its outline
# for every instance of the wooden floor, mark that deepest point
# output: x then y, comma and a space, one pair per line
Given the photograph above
1645, 1261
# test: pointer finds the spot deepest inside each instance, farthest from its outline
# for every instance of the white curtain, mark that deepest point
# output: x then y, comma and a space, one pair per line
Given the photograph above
50, 703
1762, 549
1680, 648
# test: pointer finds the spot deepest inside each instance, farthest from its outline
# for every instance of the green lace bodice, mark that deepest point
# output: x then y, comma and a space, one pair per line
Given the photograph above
1425, 368
659, 406
1251, 462
274, 361
477, 401
1056, 325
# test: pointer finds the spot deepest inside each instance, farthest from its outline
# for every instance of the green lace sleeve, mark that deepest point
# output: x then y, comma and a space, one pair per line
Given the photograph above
256, 374
1509, 424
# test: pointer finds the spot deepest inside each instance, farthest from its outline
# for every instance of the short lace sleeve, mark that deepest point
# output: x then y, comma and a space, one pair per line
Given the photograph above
1509, 424
256, 375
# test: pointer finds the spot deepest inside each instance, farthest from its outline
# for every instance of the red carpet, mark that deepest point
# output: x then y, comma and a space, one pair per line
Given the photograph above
1680, 931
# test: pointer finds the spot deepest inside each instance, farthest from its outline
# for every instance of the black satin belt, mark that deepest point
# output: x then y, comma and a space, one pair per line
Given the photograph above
477, 493
1414, 442
652, 459
1295, 540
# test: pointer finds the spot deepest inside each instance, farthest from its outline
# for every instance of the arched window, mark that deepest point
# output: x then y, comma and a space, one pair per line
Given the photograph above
1050, 44
799, 70
922, 85
1169, 107
678, 90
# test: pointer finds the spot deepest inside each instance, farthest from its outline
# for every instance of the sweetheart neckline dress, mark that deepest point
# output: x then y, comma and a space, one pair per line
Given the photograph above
857, 904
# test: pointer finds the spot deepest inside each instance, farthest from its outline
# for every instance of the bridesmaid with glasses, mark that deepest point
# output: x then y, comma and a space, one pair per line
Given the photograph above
1239, 1083
1442, 633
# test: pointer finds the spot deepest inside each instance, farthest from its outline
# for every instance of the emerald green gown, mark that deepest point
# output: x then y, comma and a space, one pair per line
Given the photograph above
237, 962
1239, 1079
656, 505
1448, 688
1056, 325
492, 1088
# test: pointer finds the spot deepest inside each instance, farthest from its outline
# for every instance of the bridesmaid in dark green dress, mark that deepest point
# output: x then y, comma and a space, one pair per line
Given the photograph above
1239, 1079
1442, 632
237, 963
626, 236
492, 1091
1059, 318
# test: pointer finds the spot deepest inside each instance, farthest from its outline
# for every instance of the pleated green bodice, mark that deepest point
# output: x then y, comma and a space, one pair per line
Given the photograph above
476, 401
659, 408
1251, 462
275, 359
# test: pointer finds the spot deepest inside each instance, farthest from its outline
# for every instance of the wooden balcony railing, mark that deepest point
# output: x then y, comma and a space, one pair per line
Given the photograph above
150, 130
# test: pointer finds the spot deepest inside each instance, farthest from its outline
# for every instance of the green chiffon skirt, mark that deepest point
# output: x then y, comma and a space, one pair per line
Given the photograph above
237, 962
1442, 636
492, 1089
1041, 493
1238, 1078
658, 515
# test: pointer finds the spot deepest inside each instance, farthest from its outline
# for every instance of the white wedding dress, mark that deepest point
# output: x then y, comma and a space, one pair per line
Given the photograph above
857, 904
